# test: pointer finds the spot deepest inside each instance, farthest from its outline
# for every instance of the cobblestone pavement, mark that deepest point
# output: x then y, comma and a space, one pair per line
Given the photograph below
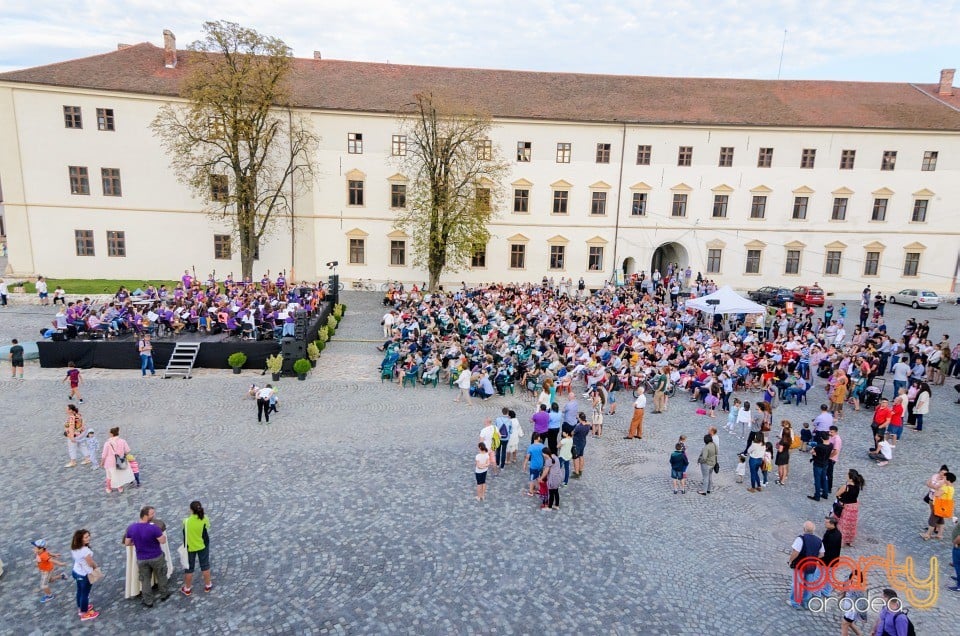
353, 511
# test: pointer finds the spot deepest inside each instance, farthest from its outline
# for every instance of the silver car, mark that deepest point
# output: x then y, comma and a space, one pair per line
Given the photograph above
916, 298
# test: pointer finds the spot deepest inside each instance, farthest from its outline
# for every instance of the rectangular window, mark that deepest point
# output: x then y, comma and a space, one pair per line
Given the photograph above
560, 200
521, 200
872, 264
71, 117
479, 258
116, 243
808, 157
483, 199
919, 211
753, 262
524, 151
222, 247
847, 157
355, 143
713, 261
111, 181
720, 202
557, 254
518, 256
639, 204
219, 187
358, 249
800, 207
354, 192
765, 158
398, 146
889, 161
839, 209
929, 161
792, 265
643, 155
595, 258
758, 208
484, 150
398, 195
79, 180
84, 240
685, 156
563, 153
879, 210
832, 267
398, 252
726, 156
598, 203
105, 119
603, 153
679, 205
911, 264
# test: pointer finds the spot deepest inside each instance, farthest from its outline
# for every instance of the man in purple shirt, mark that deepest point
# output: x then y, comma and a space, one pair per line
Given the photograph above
892, 621
541, 422
146, 538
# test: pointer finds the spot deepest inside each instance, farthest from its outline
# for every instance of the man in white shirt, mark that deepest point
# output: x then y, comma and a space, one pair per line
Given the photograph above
387, 321
263, 402
901, 372
636, 423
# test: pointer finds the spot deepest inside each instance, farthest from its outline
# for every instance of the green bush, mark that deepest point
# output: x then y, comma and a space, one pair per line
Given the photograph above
237, 360
323, 335
312, 351
338, 310
320, 345
301, 366
274, 363
331, 324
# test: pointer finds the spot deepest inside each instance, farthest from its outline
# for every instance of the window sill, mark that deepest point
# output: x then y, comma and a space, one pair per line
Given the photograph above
756, 218
752, 274
798, 219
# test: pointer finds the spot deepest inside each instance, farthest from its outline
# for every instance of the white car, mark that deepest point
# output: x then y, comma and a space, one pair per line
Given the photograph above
916, 298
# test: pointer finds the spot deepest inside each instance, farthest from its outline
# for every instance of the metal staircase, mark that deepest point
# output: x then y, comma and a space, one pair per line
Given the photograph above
181, 360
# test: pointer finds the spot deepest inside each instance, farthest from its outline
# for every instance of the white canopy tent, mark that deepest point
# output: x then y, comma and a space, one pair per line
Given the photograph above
730, 302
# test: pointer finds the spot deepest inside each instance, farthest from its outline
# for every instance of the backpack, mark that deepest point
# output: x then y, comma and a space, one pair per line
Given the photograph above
911, 630
504, 429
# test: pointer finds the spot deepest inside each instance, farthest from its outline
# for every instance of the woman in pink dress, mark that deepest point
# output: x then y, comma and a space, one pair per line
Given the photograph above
114, 447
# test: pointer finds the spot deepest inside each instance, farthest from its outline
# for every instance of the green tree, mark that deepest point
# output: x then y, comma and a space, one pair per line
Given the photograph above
454, 190
235, 141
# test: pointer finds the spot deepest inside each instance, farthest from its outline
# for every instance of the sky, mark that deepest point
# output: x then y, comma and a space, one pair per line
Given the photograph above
883, 40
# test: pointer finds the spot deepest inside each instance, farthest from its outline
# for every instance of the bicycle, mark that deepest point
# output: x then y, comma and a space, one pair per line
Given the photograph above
363, 284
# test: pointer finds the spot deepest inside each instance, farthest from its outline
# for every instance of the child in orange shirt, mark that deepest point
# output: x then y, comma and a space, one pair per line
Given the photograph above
45, 563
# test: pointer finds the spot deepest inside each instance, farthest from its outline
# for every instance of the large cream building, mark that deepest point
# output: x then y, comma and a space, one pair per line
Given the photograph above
749, 182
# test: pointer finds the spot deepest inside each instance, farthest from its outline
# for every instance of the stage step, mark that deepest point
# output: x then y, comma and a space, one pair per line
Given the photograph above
181, 360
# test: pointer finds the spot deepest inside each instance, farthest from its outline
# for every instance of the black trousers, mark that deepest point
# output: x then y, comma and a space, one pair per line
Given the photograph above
263, 408
552, 435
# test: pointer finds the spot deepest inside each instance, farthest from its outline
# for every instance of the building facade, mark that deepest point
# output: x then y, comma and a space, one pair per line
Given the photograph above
749, 183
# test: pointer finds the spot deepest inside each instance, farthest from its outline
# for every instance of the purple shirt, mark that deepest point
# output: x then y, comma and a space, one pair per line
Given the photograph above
145, 539
541, 422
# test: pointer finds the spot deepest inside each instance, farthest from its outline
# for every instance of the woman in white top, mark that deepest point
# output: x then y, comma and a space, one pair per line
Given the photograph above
922, 406
755, 459
83, 566
515, 434
481, 463
463, 383
743, 419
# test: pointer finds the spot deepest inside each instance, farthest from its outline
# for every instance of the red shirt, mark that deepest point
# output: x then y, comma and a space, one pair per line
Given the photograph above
881, 414
896, 418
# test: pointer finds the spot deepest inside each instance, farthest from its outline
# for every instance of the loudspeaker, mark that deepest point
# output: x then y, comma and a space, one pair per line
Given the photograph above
292, 350
333, 288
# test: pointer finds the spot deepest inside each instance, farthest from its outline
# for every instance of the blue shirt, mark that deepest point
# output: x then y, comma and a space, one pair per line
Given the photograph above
570, 411
535, 454
556, 419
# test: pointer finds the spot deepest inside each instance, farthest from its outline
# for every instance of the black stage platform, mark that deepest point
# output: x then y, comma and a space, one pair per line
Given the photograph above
121, 352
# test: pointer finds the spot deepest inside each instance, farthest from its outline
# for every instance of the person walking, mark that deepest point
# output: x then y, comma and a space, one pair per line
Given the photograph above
47, 564
117, 469
145, 347
147, 538
83, 567
678, 469
463, 383
264, 396
16, 359
782, 461
848, 496
941, 508
196, 540
636, 423
74, 430
707, 460
73, 377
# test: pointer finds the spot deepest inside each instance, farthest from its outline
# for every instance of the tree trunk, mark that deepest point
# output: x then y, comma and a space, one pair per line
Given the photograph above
433, 285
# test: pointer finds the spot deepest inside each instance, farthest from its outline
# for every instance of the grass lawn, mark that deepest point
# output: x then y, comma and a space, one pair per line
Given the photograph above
96, 285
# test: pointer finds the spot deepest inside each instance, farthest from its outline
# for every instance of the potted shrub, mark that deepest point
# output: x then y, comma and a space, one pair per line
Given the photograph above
320, 345
237, 360
338, 311
275, 365
323, 335
331, 325
301, 367
313, 353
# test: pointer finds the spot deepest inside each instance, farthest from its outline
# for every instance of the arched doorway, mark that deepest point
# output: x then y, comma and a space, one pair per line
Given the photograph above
669, 253
629, 267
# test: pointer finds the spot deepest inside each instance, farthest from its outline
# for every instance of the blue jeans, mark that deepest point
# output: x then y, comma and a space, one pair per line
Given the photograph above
956, 563
897, 385
146, 362
83, 591
820, 482
811, 576
755, 472
565, 463
918, 418
502, 454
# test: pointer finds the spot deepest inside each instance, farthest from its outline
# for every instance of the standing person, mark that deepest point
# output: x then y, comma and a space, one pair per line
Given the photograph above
836, 443
832, 542
73, 376
534, 462
553, 427
47, 562
892, 621
196, 539
515, 434
504, 426
848, 496
146, 355
901, 372
147, 539
463, 384
16, 359
940, 509
922, 406
42, 291
805, 545
553, 475
636, 422
755, 451
565, 454
782, 460
955, 540
707, 460
263, 402
3, 293
541, 423
113, 448
73, 430
660, 390
678, 469
481, 462
83, 566
821, 460
744, 419
580, 432
570, 410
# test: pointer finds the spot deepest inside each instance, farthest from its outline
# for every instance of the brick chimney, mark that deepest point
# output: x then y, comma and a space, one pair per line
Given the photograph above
169, 49
946, 81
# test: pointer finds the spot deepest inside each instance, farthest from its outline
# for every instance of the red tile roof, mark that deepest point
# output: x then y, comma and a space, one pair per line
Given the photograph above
374, 87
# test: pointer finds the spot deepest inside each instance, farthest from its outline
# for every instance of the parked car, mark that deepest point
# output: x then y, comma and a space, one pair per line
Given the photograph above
916, 298
770, 295
807, 295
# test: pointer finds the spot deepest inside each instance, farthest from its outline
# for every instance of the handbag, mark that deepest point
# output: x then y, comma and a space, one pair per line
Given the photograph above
943, 507
837, 508
95, 576
716, 467
121, 462
184, 559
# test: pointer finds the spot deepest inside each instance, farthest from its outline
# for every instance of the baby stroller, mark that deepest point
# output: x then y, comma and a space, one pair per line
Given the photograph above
871, 397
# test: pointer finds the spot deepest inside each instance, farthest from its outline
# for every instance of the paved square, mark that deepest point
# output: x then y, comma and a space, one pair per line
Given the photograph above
353, 511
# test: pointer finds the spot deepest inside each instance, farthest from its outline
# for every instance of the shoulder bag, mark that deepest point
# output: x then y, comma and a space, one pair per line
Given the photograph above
95, 576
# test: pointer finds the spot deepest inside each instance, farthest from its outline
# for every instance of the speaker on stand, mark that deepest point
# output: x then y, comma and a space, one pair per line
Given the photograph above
292, 349
333, 288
